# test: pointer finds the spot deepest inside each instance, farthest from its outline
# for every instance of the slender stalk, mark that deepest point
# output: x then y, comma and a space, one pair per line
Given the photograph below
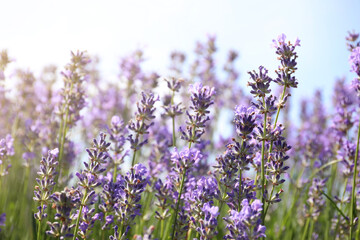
173, 121
178, 203
277, 116
334, 204
311, 229
39, 230
162, 227
133, 158
323, 167
240, 177
173, 131
79, 215
263, 166
165, 235
306, 229
268, 205
62, 134
189, 234
353, 202
115, 173
240, 180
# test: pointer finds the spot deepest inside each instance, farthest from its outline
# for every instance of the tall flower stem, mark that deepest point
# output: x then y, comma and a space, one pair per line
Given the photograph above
271, 146
239, 200
133, 158
173, 121
240, 179
79, 214
115, 173
62, 134
178, 203
39, 228
306, 229
277, 115
353, 197
263, 165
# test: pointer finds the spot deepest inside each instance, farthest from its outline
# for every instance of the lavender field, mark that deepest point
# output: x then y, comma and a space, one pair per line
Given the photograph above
199, 151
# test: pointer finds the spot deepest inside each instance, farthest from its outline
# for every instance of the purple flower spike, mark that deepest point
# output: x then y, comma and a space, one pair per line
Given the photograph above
245, 120
45, 182
246, 224
185, 159
142, 121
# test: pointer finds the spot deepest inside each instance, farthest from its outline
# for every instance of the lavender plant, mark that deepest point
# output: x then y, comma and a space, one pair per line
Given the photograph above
143, 182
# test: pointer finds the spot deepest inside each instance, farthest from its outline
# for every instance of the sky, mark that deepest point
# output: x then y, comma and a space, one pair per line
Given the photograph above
37, 33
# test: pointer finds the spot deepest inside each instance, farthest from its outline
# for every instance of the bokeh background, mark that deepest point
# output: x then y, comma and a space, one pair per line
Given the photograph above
37, 33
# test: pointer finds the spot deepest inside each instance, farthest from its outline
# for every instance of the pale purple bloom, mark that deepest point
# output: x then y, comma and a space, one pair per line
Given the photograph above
246, 224
185, 159
354, 60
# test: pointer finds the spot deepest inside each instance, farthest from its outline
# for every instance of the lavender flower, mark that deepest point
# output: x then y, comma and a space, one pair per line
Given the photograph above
64, 202
45, 182
130, 189
204, 191
72, 101
6, 150
201, 99
206, 226
347, 155
142, 122
73, 98
260, 83
165, 194
352, 40
315, 201
117, 137
245, 224
245, 121
88, 219
354, 60
89, 177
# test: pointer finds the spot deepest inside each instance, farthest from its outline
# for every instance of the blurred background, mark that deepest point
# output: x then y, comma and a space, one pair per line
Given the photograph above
37, 33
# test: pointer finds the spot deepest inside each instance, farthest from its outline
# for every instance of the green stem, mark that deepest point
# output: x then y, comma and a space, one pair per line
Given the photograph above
79, 215
334, 204
240, 180
189, 234
173, 128
268, 205
133, 158
311, 229
322, 167
115, 173
263, 166
162, 227
240, 177
178, 203
62, 135
353, 197
173, 121
306, 229
277, 116
39, 230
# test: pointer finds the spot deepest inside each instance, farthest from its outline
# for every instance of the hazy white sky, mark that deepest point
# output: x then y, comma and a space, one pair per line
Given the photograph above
37, 33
